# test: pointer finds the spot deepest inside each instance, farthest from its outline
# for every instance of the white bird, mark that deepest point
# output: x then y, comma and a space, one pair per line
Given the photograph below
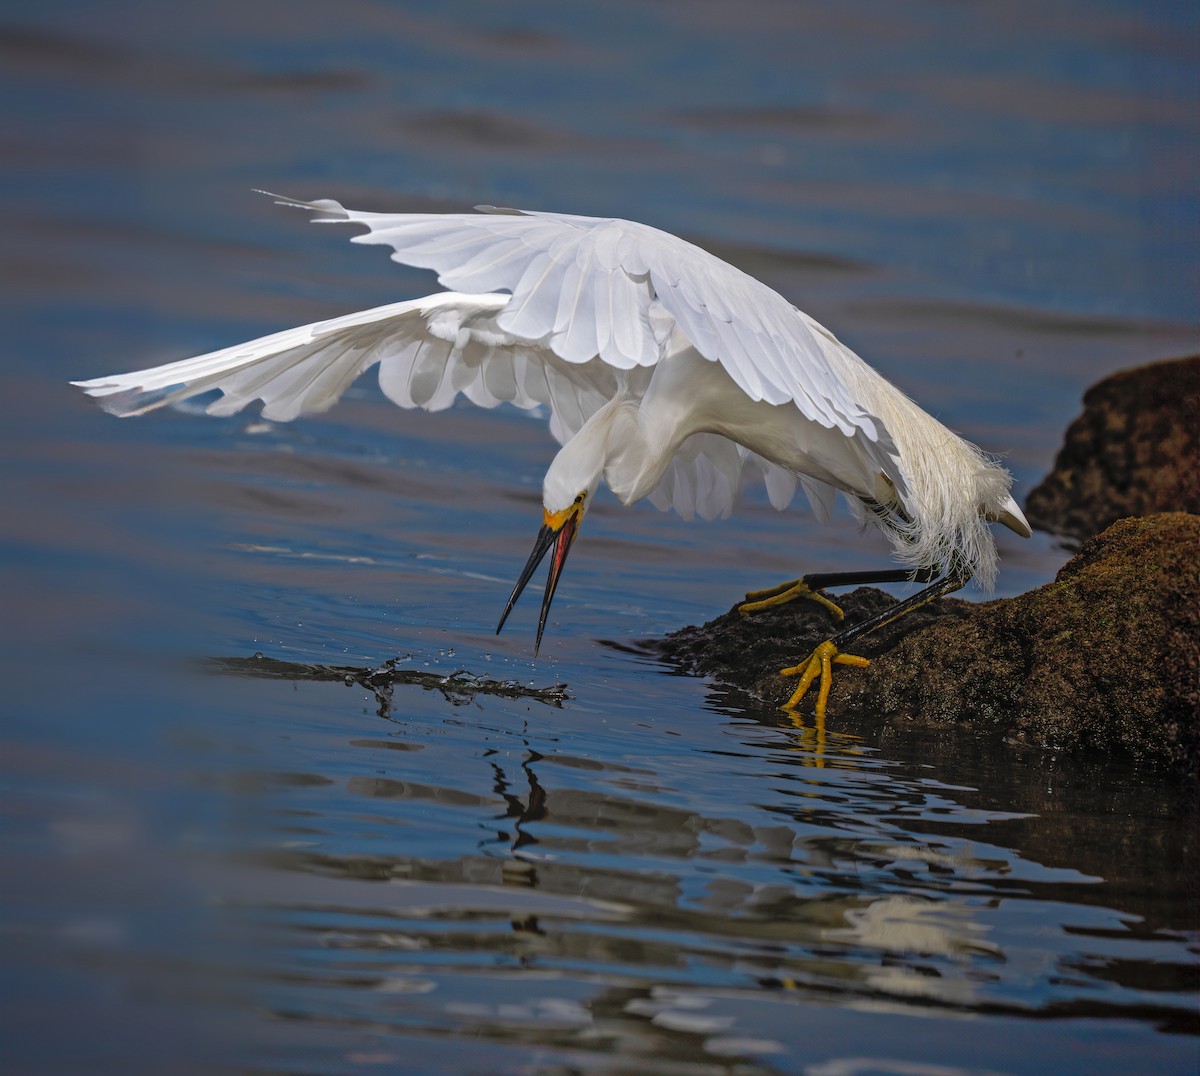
667, 372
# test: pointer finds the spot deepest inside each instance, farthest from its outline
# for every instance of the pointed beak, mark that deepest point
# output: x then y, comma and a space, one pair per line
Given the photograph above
561, 538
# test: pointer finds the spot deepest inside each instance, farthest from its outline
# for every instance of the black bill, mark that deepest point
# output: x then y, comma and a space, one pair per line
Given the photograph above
561, 540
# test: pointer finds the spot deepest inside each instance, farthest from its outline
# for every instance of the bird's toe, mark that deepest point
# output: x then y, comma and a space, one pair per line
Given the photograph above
819, 666
758, 600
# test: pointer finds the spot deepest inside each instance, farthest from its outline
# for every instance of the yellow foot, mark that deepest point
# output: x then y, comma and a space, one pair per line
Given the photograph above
757, 600
819, 663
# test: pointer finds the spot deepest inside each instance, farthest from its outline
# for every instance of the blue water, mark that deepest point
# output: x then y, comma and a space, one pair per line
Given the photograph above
995, 204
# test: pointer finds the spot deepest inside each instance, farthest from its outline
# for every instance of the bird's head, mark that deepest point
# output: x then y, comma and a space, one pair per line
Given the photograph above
560, 526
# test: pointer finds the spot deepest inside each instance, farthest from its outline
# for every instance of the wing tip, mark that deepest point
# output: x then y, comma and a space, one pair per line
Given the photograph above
334, 209
123, 403
99, 387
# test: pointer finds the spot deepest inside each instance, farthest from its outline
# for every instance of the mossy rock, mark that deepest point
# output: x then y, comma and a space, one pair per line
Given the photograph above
1103, 660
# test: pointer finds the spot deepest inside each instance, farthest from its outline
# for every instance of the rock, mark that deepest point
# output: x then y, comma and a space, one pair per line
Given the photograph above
748, 652
1134, 451
1103, 660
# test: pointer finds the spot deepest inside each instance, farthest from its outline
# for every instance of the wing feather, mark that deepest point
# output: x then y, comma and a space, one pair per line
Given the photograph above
590, 302
708, 473
579, 341
428, 351
772, 351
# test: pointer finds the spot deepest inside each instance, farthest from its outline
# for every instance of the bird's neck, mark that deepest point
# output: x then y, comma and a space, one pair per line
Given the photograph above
614, 444
637, 452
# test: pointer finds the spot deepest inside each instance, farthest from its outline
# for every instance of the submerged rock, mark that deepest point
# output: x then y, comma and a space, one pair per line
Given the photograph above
1135, 450
1103, 659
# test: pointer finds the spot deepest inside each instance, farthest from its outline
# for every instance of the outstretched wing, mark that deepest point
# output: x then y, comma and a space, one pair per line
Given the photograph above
590, 287
593, 303
428, 350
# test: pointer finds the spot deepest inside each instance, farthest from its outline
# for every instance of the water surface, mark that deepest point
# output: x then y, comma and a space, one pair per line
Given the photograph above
264, 867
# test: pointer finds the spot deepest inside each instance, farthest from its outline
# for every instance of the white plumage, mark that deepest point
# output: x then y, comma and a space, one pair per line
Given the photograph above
666, 371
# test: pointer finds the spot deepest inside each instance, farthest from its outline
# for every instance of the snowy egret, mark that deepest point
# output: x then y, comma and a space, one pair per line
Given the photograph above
667, 373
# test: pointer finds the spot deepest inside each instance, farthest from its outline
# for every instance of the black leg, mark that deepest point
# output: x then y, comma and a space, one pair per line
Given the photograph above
811, 587
819, 665
953, 580
820, 580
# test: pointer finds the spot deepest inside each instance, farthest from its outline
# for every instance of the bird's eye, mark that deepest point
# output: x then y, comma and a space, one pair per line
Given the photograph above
579, 499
